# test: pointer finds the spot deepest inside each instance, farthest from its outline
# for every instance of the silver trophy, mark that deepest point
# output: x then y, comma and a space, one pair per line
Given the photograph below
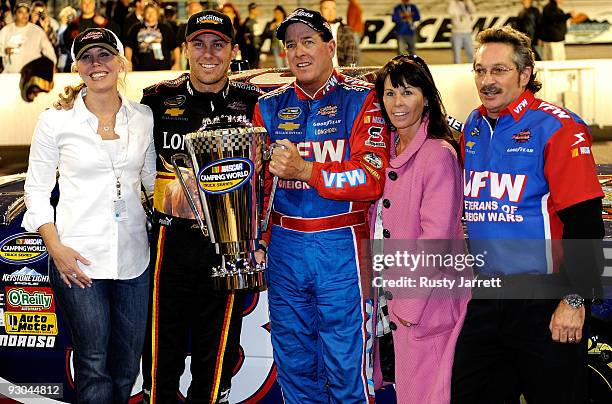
222, 160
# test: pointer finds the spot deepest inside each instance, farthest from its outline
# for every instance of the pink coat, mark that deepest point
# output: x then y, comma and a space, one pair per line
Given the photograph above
424, 202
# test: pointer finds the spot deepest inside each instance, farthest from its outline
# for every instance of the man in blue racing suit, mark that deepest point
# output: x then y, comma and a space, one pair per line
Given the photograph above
333, 165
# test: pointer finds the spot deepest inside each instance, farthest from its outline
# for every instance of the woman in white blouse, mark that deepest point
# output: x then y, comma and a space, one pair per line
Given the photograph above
103, 149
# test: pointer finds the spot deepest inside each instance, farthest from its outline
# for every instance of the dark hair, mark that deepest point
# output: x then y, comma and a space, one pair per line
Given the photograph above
282, 10
523, 56
412, 70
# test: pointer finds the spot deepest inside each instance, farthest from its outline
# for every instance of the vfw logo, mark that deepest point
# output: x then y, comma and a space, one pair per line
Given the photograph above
497, 185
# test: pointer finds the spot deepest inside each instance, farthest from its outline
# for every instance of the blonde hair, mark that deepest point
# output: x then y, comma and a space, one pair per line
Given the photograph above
66, 99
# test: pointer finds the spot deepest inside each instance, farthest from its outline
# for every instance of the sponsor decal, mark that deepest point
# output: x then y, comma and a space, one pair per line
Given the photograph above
29, 299
290, 113
165, 221
289, 126
176, 101
22, 248
237, 106
326, 151
174, 141
292, 184
579, 138
328, 110
375, 139
25, 276
581, 151
499, 185
30, 323
475, 132
374, 160
326, 131
520, 106
239, 119
174, 112
372, 171
522, 137
92, 35
454, 123
327, 123
209, 19
519, 149
226, 175
27, 341
374, 119
375, 109
469, 147
350, 178
553, 109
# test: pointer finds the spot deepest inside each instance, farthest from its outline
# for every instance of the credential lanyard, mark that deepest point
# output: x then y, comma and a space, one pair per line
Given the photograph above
119, 205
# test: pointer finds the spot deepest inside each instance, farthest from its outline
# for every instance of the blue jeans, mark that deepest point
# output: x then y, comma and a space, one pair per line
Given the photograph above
462, 40
406, 44
107, 325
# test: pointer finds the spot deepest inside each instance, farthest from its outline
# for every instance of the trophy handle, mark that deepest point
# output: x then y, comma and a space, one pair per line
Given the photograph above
267, 155
185, 159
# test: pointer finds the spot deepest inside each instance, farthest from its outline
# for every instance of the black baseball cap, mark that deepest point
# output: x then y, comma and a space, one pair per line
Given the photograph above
96, 38
212, 22
312, 18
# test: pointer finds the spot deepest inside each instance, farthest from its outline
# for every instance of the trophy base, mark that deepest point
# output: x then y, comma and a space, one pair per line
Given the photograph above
239, 281
238, 275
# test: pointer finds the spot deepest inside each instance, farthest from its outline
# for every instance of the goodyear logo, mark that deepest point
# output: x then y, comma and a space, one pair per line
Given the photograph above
173, 102
290, 113
225, 175
29, 299
22, 248
29, 323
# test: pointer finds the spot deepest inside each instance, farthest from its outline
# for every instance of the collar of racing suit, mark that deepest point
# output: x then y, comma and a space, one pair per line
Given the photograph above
327, 87
217, 100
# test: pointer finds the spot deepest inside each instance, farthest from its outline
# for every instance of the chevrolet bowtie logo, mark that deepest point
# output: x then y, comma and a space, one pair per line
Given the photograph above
289, 125
174, 111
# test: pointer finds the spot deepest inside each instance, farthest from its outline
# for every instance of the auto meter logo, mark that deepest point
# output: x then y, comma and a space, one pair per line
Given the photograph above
225, 175
22, 248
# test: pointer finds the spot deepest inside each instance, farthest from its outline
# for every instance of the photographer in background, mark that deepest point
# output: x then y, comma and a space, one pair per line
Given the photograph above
40, 16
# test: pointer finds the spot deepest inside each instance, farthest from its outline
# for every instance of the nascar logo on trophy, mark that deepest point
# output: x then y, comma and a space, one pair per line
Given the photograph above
222, 158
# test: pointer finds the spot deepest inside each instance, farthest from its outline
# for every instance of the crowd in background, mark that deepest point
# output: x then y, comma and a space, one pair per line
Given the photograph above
153, 35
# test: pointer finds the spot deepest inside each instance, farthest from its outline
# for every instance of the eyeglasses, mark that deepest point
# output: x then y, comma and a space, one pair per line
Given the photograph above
497, 71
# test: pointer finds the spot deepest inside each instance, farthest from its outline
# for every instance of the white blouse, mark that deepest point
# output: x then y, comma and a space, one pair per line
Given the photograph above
66, 141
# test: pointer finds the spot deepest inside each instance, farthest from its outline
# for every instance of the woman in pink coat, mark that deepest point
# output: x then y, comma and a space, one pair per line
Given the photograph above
422, 200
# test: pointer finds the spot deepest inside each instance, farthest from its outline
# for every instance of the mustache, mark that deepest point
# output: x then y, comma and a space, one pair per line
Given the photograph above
490, 89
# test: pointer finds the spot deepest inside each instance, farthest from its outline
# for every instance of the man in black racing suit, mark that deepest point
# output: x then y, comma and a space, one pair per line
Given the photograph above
184, 306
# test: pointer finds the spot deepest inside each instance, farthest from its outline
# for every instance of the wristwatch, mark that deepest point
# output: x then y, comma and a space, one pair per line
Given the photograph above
575, 301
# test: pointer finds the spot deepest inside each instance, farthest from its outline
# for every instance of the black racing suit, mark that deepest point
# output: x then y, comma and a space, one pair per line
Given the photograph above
184, 306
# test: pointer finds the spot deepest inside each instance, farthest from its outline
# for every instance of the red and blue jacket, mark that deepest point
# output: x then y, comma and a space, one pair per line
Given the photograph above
341, 130
535, 162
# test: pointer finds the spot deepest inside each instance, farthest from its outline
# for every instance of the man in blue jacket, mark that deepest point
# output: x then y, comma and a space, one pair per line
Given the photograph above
404, 17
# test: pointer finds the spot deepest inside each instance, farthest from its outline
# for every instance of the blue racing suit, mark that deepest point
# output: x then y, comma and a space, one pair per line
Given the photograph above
537, 163
318, 314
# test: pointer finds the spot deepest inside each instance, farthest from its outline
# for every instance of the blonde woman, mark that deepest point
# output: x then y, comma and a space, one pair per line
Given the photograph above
97, 241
